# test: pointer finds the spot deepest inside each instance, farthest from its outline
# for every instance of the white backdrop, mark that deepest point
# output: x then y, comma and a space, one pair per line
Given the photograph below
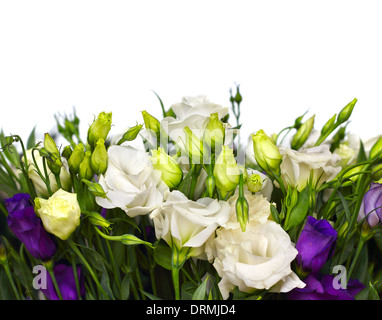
287, 56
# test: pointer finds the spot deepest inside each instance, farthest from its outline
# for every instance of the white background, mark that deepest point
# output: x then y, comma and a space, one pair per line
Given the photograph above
287, 56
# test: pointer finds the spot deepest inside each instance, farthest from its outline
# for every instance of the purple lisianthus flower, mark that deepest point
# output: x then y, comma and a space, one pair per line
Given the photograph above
371, 206
66, 283
315, 245
18, 202
28, 227
320, 287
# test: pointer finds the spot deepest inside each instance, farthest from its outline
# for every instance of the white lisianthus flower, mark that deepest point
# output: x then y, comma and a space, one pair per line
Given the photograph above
38, 183
348, 150
258, 258
194, 113
188, 224
130, 181
297, 167
60, 214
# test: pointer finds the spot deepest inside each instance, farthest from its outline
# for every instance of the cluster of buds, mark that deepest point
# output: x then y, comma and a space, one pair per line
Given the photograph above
90, 160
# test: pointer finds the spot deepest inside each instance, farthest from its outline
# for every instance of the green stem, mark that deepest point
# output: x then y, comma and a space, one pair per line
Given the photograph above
139, 281
13, 285
175, 280
115, 270
49, 266
84, 261
74, 267
151, 261
25, 170
355, 258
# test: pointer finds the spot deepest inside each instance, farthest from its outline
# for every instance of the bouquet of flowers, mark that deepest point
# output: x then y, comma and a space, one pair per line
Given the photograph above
180, 208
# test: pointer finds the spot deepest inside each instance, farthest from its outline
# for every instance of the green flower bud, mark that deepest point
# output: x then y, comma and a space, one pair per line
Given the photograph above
352, 175
97, 219
130, 134
195, 147
376, 149
85, 169
242, 207
210, 183
100, 128
328, 125
376, 172
254, 183
297, 121
346, 112
226, 171
76, 158
214, 133
302, 133
52, 154
98, 160
238, 97
151, 123
267, 154
95, 188
50, 144
67, 152
171, 173
242, 212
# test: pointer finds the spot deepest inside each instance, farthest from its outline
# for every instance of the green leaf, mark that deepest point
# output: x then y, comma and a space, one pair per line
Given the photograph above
163, 255
362, 153
200, 292
187, 291
125, 287
298, 213
31, 142
373, 294
149, 295
275, 213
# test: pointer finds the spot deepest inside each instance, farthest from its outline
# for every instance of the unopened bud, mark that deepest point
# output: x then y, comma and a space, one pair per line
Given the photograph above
346, 112
214, 133
98, 160
97, 219
95, 188
328, 125
238, 97
85, 169
376, 173
226, 170
76, 158
100, 128
171, 172
376, 149
210, 184
130, 134
195, 147
52, 154
151, 123
67, 152
242, 212
302, 133
267, 154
